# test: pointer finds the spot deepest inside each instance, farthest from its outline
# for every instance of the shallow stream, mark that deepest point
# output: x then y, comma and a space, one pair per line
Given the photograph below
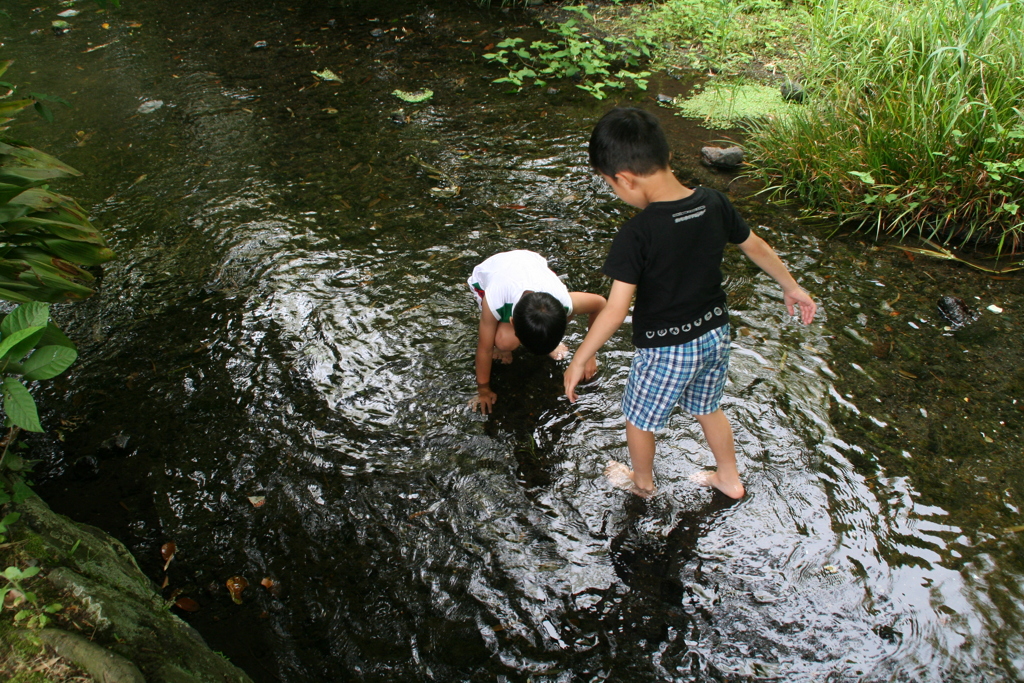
288, 318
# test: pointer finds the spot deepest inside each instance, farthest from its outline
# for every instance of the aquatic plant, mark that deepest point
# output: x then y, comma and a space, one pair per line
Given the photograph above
598, 63
725, 105
914, 125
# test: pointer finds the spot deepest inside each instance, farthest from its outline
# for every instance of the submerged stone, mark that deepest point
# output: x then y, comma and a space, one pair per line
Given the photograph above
957, 312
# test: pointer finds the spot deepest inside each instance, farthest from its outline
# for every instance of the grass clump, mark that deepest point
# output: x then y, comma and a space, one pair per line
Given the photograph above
915, 124
726, 35
728, 105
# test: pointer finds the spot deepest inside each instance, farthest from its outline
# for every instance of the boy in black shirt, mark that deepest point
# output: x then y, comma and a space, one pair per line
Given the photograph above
669, 256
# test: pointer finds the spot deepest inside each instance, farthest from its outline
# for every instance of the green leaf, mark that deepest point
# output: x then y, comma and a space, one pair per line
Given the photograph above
81, 253
44, 112
49, 98
8, 108
28, 315
47, 362
9, 295
16, 344
863, 177
22, 492
19, 405
54, 337
8, 521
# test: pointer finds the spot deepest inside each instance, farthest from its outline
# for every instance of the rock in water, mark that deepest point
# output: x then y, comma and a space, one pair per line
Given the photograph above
727, 158
792, 91
957, 312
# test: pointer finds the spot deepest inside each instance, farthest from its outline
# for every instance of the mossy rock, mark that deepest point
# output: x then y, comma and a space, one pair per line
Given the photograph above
132, 619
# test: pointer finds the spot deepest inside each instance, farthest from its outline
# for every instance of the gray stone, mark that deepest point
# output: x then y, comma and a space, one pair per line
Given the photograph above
726, 158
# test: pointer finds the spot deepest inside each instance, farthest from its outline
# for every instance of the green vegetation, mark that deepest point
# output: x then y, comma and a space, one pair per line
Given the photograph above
725, 35
46, 244
598, 63
915, 124
725, 106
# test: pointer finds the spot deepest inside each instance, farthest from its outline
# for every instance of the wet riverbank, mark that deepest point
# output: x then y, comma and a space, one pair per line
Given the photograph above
288, 320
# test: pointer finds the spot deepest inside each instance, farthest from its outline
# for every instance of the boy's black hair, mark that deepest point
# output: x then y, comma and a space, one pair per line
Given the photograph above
539, 321
628, 139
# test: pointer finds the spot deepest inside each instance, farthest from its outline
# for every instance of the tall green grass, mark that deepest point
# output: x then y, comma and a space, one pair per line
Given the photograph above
915, 124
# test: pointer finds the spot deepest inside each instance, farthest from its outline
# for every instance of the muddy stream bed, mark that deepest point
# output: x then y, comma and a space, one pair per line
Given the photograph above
288, 318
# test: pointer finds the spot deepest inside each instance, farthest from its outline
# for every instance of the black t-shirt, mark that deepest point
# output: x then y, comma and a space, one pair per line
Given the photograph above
672, 252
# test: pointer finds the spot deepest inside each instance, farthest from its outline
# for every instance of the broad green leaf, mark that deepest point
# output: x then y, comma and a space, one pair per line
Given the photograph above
69, 231
81, 253
47, 362
9, 191
9, 520
20, 342
4, 65
54, 337
28, 315
17, 297
22, 491
33, 158
11, 212
14, 106
19, 405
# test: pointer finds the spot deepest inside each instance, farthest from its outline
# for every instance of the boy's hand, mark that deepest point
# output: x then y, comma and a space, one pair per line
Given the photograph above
573, 374
804, 301
484, 399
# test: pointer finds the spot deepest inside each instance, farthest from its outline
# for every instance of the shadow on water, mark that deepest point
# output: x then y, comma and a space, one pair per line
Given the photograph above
288, 319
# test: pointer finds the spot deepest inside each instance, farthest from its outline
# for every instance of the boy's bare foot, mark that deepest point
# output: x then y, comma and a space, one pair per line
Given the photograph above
621, 477
505, 357
732, 489
559, 352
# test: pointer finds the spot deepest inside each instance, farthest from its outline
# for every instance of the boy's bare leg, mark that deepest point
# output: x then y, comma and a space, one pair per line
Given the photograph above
718, 432
641, 455
504, 357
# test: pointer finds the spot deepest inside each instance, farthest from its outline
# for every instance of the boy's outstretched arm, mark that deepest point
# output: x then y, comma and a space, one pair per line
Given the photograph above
591, 305
758, 251
601, 330
485, 398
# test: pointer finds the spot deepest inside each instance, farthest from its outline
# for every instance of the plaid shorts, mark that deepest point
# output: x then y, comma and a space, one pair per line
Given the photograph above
691, 375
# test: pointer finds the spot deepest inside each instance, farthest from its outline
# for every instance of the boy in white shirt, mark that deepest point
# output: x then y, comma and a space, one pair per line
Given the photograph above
523, 302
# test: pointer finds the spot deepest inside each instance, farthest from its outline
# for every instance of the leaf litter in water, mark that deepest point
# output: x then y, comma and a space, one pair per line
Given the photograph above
236, 584
414, 97
257, 501
187, 604
327, 75
167, 551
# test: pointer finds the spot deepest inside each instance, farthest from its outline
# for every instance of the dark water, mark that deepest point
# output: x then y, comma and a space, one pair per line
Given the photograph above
288, 318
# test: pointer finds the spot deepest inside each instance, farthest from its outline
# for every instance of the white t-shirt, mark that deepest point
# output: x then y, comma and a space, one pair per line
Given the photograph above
505, 276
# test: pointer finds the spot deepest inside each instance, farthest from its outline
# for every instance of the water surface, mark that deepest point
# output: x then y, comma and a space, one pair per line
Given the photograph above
288, 318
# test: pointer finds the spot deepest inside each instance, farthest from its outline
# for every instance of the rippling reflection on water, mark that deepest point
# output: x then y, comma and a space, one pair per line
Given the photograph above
289, 319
